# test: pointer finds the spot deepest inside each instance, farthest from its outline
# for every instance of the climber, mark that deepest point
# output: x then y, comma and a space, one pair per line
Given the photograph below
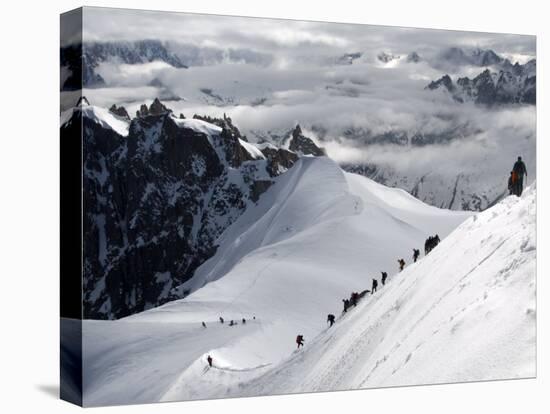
416, 253
244, 321
300, 340
346, 304
374, 286
520, 170
428, 245
330, 319
203, 325
384, 277
512, 180
221, 320
431, 243
354, 298
401, 264
209, 359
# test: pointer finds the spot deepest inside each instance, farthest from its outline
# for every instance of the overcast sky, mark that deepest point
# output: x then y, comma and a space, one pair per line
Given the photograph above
286, 37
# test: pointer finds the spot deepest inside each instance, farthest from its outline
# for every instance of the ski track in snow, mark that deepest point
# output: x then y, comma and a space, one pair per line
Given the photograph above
464, 312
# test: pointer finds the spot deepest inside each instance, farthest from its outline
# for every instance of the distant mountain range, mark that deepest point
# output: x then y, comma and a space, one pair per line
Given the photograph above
511, 83
475, 57
83, 59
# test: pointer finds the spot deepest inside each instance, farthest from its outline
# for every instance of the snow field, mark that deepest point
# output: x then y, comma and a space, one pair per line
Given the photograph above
464, 312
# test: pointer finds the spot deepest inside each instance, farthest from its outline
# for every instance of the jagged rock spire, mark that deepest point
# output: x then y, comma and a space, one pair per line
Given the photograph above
304, 145
83, 101
297, 131
413, 57
119, 111
445, 80
156, 108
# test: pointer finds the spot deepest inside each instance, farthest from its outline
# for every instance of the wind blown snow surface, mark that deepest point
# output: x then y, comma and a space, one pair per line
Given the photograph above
465, 312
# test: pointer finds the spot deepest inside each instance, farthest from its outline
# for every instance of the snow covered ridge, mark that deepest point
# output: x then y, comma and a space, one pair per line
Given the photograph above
464, 313
159, 190
101, 116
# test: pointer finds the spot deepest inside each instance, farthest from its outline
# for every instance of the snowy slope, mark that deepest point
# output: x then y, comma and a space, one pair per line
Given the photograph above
464, 313
100, 116
314, 236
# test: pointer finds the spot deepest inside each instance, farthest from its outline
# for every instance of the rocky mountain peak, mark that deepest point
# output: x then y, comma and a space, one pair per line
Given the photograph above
413, 57
304, 145
386, 57
510, 85
486, 57
119, 111
297, 131
348, 58
156, 108
83, 101
444, 81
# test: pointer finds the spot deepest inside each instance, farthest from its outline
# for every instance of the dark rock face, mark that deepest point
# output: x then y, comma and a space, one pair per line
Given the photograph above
413, 57
445, 81
225, 122
513, 84
156, 200
385, 57
304, 145
482, 86
156, 108
278, 160
364, 136
475, 57
82, 101
119, 111
456, 130
530, 91
486, 57
348, 58
81, 73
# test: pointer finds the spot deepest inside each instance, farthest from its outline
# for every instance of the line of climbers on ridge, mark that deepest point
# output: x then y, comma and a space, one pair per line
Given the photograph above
430, 244
231, 322
355, 297
515, 187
